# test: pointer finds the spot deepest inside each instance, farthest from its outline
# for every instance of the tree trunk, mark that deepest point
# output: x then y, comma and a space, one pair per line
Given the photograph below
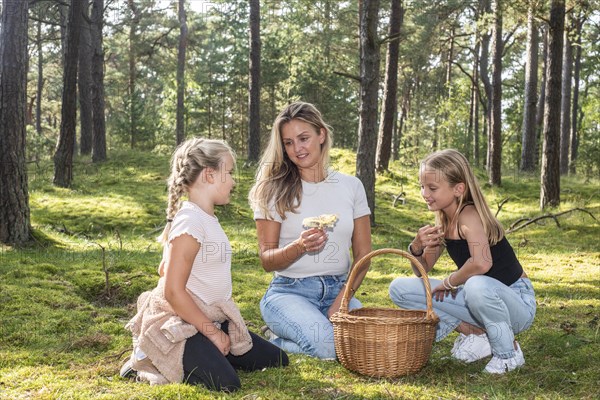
85, 87
484, 6
574, 115
183, 35
401, 118
495, 158
369, 85
133, 26
550, 176
528, 133
474, 115
565, 105
14, 198
254, 89
541, 103
390, 94
98, 104
63, 157
40, 79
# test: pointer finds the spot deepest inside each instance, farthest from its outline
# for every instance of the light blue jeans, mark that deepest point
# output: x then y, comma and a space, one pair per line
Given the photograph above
482, 301
295, 309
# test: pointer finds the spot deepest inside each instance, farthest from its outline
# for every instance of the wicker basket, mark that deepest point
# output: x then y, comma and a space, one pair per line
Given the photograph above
384, 342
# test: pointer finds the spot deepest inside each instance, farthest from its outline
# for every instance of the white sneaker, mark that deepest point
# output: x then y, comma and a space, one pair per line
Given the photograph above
457, 343
499, 365
471, 348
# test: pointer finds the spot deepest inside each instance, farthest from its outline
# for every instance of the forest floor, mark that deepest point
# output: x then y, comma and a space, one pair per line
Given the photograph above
64, 301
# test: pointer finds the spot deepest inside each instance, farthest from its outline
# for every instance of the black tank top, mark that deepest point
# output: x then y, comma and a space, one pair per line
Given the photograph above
505, 266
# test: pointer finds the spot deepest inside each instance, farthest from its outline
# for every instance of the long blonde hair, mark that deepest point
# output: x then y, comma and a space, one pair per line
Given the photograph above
455, 169
187, 162
277, 178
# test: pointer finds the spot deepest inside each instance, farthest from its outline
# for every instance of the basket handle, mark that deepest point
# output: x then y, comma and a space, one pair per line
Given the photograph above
360, 265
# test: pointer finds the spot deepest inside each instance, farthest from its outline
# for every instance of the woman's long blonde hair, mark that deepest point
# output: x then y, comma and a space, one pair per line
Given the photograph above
454, 168
277, 177
187, 162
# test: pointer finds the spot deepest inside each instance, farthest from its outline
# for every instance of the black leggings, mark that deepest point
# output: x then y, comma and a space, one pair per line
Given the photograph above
204, 364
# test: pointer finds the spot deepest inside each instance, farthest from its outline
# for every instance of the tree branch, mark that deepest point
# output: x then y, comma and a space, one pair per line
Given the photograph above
356, 78
500, 206
523, 222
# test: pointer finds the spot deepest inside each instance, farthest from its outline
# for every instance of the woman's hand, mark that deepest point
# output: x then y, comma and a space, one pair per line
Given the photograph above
313, 240
221, 340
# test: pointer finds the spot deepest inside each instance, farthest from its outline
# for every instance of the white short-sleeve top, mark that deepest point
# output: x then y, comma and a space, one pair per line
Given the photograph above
339, 194
210, 278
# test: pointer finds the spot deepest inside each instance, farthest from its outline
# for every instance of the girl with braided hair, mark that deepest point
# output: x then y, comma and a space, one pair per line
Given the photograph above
195, 281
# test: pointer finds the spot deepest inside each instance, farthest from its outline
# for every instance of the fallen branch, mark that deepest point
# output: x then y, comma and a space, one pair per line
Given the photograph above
500, 206
523, 222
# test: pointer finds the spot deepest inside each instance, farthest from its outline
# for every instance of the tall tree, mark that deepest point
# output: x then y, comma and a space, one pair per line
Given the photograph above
132, 58
369, 85
40, 77
495, 144
474, 106
565, 103
14, 198
254, 89
181, 50
484, 59
84, 83
541, 103
98, 103
550, 176
528, 132
575, 107
390, 93
63, 157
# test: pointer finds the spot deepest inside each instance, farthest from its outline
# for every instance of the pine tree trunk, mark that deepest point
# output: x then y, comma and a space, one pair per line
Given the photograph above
63, 157
565, 105
132, 58
85, 88
528, 132
550, 176
576, 71
485, 9
495, 158
254, 89
183, 35
369, 85
541, 103
40, 79
14, 198
390, 94
98, 103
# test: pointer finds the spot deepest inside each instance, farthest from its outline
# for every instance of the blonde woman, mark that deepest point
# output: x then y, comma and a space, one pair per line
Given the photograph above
310, 265
188, 326
489, 298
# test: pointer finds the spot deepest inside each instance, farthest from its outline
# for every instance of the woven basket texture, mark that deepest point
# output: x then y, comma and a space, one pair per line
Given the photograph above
384, 342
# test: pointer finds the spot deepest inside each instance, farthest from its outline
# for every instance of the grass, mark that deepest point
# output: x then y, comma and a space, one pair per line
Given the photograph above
65, 300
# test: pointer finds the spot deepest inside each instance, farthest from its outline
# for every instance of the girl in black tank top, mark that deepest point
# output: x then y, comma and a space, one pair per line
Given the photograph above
488, 298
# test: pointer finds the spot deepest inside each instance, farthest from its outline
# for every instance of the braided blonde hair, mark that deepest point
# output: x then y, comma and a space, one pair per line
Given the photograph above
187, 162
277, 178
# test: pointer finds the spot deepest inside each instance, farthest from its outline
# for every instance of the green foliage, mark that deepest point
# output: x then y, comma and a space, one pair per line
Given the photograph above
62, 315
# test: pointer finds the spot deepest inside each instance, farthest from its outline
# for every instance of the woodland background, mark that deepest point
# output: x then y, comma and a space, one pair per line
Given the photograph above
513, 85
96, 94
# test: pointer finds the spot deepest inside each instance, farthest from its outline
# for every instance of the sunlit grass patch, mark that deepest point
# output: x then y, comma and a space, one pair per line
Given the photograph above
64, 301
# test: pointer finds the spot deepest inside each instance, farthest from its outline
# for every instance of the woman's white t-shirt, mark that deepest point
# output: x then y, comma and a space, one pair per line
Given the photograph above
210, 278
339, 194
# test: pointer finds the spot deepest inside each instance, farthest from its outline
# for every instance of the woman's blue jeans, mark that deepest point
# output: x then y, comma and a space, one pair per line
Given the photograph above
482, 301
295, 309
